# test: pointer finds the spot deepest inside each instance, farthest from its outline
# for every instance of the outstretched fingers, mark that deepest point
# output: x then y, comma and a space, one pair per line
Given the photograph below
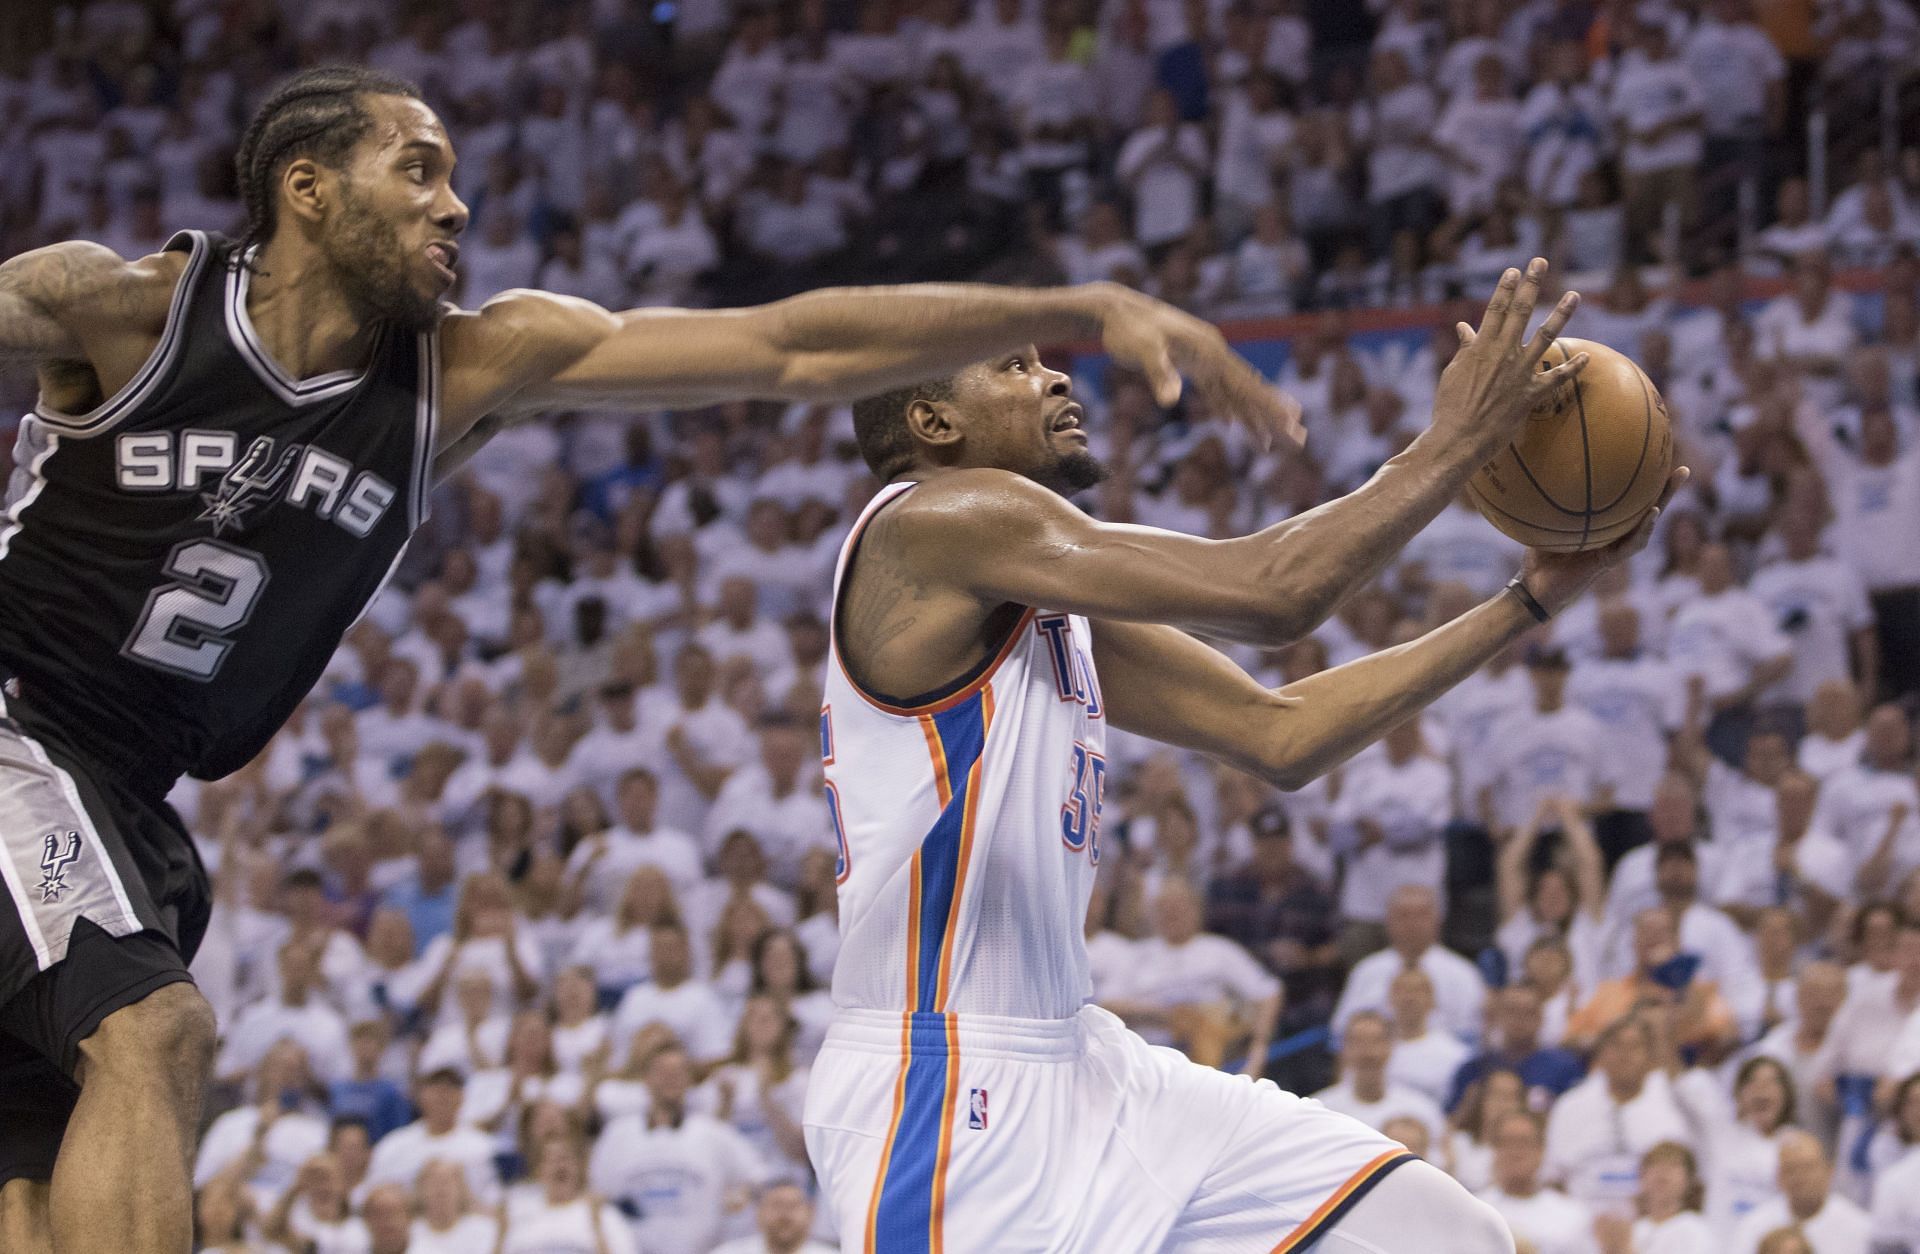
1498, 306
1550, 329
1525, 295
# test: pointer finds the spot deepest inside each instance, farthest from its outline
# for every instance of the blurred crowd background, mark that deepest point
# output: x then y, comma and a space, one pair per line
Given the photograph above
527, 919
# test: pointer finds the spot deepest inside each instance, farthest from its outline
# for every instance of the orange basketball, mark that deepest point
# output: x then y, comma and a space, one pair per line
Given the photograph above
1588, 464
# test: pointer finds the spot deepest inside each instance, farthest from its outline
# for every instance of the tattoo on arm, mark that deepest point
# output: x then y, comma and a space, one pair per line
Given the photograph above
880, 604
43, 291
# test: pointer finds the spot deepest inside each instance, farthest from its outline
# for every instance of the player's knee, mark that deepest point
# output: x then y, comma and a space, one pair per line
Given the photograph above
171, 1029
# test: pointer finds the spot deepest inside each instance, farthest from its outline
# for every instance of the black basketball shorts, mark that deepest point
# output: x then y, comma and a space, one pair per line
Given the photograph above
102, 900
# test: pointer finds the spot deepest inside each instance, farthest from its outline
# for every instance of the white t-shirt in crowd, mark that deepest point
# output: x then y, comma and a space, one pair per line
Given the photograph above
1722, 637
1895, 1211
1427, 1063
1533, 756
692, 1009
1410, 802
1838, 1227
468, 1233
1638, 702
679, 1179
1458, 989
1204, 969
1818, 604
400, 1154
1395, 1101
1547, 1219
582, 1226
1594, 1143
1165, 171
1647, 94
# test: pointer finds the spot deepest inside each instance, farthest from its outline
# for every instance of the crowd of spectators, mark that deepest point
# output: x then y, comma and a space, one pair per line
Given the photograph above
526, 919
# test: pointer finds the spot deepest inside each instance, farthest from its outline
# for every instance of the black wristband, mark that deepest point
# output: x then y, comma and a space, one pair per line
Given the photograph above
1526, 598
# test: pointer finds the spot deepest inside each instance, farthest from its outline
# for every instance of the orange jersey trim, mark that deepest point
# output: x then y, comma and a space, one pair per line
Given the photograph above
1359, 1180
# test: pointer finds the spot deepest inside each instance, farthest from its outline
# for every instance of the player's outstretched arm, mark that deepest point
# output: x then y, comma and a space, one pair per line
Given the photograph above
1001, 538
1164, 684
525, 351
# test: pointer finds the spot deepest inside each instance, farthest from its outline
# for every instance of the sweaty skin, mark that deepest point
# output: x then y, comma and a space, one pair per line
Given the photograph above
88, 319
376, 241
941, 571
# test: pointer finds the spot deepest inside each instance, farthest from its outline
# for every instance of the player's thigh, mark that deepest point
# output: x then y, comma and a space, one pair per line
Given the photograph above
81, 935
1288, 1172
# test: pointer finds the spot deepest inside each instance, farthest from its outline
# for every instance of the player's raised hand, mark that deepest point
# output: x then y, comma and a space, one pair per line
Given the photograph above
1495, 380
1164, 343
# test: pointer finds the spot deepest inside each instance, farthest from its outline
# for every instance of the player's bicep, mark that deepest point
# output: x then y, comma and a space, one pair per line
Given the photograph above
1004, 539
1161, 683
655, 357
45, 293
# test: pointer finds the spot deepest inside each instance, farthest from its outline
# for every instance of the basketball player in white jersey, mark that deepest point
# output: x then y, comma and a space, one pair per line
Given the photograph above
985, 633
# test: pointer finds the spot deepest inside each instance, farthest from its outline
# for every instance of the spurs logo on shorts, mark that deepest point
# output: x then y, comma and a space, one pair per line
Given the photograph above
60, 851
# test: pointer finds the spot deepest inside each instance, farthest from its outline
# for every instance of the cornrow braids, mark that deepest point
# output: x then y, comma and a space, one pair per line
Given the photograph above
318, 113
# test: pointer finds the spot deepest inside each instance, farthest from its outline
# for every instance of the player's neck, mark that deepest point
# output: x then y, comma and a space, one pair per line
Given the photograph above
303, 318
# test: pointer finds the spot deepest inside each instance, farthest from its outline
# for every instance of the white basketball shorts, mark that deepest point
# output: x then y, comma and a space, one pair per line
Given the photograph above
944, 1134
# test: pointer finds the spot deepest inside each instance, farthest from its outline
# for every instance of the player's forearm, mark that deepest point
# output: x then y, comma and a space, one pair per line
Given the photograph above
1339, 712
845, 343
1312, 562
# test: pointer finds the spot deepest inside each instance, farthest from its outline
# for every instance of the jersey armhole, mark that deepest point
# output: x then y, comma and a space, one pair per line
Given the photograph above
117, 408
426, 426
919, 703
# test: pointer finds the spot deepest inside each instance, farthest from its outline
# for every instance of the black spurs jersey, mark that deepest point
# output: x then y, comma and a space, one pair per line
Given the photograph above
178, 565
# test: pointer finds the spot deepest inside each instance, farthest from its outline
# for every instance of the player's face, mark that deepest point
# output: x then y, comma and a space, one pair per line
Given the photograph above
392, 240
1021, 416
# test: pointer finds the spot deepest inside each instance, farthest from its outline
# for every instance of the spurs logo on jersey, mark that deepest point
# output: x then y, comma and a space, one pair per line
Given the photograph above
314, 479
59, 851
248, 484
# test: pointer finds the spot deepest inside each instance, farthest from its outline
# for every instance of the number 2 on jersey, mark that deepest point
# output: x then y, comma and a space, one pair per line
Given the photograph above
1080, 816
187, 625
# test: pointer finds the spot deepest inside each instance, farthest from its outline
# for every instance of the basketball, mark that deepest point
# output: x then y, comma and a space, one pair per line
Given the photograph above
1587, 466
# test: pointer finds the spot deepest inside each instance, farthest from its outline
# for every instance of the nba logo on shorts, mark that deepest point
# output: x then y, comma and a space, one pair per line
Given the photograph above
977, 1110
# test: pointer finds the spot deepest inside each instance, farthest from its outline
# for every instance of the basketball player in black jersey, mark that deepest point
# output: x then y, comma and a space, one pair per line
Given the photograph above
234, 441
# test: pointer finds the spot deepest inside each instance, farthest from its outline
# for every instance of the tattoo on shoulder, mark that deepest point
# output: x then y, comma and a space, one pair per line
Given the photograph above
887, 595
43, 292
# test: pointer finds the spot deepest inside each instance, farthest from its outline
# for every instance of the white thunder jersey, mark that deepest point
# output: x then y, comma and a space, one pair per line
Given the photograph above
968, 1099
969, 825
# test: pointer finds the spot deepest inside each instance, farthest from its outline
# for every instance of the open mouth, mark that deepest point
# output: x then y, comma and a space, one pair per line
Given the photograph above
1068, 419
446, 255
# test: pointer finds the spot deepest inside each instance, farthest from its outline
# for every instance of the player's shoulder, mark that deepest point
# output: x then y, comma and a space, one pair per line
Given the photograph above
80, 278
520, 323
978, 496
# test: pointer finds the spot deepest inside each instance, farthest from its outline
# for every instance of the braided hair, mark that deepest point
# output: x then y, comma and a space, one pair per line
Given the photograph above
318, 113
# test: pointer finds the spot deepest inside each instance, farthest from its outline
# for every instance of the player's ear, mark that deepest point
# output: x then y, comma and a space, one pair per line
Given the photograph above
307, 187
933, 422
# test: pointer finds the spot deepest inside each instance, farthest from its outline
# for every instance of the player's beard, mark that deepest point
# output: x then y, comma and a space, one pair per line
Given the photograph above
374, 270
1074, 472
